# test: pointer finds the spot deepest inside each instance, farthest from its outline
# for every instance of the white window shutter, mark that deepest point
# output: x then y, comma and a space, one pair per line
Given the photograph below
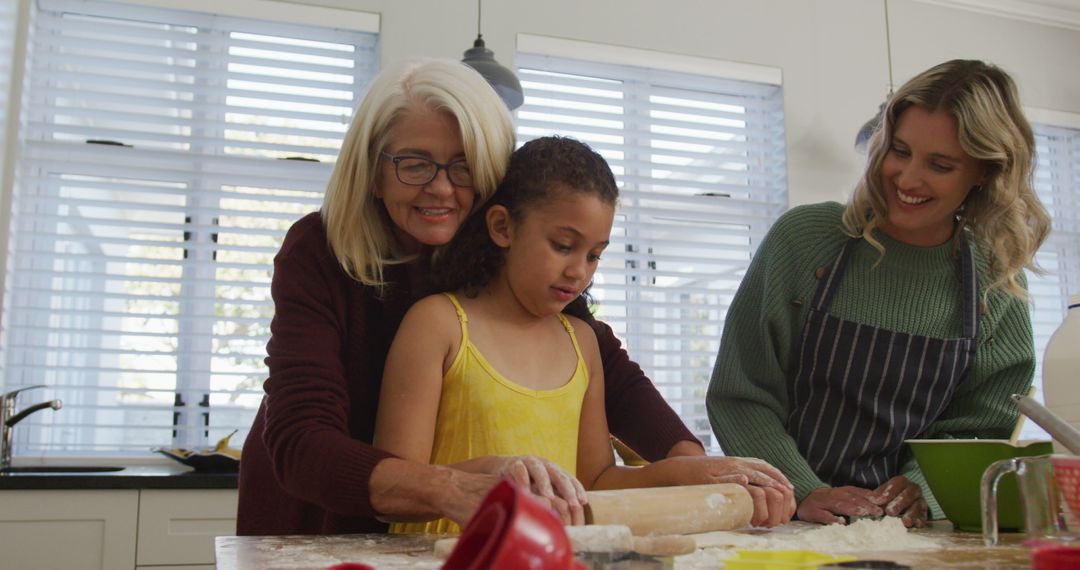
141, 263
1057, 182
701, 167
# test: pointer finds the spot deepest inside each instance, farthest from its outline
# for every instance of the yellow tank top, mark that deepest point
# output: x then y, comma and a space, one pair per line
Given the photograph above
481, 412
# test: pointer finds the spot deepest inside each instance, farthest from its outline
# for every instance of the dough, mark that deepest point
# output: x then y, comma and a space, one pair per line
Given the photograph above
600, 538
604, 538
664, 545
444, 546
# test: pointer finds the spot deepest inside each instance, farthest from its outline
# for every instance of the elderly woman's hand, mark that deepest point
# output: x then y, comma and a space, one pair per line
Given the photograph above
548, 482
406, 491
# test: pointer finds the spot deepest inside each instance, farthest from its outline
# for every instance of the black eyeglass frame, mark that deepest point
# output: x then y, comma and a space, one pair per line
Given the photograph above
396, 160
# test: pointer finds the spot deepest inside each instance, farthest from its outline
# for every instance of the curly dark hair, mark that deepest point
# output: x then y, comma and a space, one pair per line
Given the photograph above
540, 171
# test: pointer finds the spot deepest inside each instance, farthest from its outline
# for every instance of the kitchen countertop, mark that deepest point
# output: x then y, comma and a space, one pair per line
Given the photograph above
387, 552
382, 551
135, 477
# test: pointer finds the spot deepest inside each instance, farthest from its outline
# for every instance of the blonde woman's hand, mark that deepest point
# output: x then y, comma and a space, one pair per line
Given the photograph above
900, 497
549, 482
829, 505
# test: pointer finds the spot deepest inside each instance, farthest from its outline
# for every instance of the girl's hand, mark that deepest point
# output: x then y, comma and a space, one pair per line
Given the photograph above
827, 505
549, 482
772, 493
902, 498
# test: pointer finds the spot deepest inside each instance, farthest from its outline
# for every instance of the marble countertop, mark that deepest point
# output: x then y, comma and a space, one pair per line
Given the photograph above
381, 551
960, 550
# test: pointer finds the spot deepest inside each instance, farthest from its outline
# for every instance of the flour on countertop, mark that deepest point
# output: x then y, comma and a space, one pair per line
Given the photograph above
863, 535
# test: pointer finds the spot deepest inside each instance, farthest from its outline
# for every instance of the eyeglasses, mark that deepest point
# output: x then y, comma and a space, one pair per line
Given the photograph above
418, 170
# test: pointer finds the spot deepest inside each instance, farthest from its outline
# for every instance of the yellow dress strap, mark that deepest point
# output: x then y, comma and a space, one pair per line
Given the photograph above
457, 307
464, 320
573, 337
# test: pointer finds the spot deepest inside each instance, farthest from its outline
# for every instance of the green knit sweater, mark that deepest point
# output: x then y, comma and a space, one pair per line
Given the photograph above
911, 289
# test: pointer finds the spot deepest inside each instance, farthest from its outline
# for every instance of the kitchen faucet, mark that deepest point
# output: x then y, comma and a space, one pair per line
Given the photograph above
8, 419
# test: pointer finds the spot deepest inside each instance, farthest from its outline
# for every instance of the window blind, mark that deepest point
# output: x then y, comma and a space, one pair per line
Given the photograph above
701, 167
1057, 182
8, 13
164, 154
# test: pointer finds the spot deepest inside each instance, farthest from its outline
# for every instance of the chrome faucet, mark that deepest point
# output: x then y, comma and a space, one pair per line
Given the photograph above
8, 419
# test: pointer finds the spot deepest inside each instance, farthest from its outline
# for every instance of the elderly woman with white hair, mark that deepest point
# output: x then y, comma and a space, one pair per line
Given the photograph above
428, 145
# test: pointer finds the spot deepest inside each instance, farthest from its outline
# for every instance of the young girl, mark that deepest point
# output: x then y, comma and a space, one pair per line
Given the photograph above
506, 362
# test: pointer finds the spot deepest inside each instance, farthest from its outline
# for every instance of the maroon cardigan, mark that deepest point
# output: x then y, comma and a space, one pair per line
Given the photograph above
308, 458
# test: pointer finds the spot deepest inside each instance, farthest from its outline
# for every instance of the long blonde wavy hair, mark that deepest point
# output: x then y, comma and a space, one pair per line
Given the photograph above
358, 228
1004, 217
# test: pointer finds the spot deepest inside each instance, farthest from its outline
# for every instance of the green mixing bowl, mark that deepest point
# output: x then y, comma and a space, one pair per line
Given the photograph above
954, 467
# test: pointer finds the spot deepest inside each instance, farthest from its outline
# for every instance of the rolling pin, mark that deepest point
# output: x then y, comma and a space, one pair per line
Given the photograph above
672, 510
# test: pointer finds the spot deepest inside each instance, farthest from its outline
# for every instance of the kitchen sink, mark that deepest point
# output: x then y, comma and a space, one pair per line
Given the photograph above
61, 469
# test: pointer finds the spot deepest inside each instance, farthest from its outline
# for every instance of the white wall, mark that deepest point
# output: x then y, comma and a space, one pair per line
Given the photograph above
832, 54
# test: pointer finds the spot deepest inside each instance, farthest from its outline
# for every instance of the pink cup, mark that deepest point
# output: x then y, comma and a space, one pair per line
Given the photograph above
512, 530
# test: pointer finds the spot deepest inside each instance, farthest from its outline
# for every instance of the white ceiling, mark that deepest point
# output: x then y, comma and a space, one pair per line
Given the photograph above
1063, 13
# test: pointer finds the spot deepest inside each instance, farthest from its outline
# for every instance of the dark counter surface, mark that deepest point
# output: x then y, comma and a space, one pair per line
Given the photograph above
134, 477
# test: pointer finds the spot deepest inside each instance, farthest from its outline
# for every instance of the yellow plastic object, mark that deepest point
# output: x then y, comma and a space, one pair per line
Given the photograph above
781, 559
223, 446
221, 458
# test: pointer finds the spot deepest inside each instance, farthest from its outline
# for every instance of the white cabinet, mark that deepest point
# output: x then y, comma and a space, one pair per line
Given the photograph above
74, 530
147, 529
179, 526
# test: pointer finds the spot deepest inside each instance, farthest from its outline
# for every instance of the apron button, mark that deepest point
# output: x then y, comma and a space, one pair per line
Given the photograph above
796, 302
819, 272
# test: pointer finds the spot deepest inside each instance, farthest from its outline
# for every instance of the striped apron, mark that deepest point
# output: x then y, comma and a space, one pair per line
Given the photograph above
861, 391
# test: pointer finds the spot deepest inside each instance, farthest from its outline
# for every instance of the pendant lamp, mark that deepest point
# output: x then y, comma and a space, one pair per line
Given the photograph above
868, 128
482, 59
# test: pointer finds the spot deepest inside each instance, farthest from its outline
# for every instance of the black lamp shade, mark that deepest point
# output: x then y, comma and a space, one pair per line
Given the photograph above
504, 81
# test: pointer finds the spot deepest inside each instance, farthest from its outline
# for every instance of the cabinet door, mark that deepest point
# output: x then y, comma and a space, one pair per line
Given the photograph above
74, 530
179, 526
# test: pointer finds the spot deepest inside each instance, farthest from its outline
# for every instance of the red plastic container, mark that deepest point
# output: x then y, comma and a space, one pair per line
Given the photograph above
1055, 558
513, 531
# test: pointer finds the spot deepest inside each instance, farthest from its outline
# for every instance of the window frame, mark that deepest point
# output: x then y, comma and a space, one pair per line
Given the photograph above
674, 336
229, 167
1058, 187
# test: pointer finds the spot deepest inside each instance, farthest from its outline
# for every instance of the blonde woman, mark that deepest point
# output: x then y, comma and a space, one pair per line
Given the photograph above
427, 146
901, 315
